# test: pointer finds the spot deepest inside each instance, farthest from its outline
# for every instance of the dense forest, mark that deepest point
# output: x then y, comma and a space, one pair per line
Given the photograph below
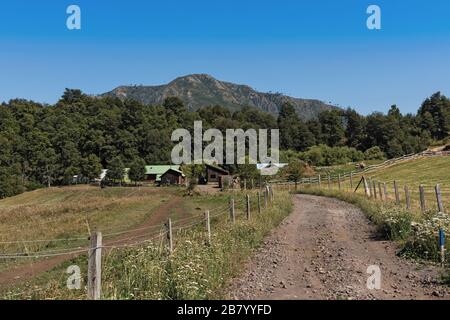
48, 144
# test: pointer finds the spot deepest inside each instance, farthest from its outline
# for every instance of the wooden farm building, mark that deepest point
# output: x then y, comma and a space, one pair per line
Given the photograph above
172, 176
214, 174
153, 173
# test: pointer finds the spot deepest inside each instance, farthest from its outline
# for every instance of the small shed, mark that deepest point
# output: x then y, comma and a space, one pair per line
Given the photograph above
173, 177
214, 174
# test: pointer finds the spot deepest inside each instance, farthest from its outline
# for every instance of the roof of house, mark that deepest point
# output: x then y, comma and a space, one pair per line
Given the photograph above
217, 168
159, 170
174, 170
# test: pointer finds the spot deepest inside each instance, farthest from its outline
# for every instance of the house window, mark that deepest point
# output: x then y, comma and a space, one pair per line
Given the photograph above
213, 176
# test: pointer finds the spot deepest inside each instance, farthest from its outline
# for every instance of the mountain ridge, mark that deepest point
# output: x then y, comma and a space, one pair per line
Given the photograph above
201, 90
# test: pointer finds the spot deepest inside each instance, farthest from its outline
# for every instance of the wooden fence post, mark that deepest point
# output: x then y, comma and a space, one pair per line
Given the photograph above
339, 181
366, 187
259, 203
320, 181
245, 184
208, 226
232, 213
379, 191
265, 197
169, 235
95, 267
248, 207
407, 198
439, 198
351, 180
374, 186
397, 195
423, 207
385, 191
329, 182
272, 196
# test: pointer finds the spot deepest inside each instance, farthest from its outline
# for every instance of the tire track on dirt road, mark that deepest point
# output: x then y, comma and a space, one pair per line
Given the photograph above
23, 272
322, 251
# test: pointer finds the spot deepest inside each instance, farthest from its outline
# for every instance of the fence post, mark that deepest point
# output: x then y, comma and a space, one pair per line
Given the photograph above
423, 207
439, 198
385, 191
320, 181
408, 198
245, 184
397, 195
329, 182
95, 267
265, 197
272, 197
248, 207
232, 213
351, 180
379, 191
366, 187
208, 226
374, 186
169, 234
339, 181
259, 203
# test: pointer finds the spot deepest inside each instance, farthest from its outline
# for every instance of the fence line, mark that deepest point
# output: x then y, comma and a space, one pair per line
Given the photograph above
95, 249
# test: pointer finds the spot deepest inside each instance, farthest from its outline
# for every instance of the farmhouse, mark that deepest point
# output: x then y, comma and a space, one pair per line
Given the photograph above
153, 173
173, 176
214, 174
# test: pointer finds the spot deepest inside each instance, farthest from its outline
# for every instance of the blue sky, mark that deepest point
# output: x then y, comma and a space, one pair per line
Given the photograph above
310, 49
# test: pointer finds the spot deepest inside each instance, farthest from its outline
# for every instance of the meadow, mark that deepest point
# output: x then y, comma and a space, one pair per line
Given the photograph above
146, 269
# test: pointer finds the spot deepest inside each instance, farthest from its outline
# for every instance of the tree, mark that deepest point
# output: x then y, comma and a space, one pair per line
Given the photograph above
91, 167
116, 170
333, 133
295, 170
137, 170
294, 133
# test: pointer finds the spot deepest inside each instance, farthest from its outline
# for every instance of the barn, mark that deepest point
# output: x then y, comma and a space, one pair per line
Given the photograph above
173, 177
153, 173
214, 174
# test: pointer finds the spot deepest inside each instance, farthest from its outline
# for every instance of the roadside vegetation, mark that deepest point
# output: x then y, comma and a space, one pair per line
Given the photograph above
416, 232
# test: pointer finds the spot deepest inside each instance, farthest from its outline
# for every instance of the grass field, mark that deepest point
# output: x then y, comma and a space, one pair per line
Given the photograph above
194, 271
424, 171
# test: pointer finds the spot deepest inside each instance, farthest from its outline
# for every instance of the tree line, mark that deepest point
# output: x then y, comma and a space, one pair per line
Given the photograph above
44, 145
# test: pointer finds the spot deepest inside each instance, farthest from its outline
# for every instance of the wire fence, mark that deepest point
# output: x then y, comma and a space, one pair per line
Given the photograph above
93, 245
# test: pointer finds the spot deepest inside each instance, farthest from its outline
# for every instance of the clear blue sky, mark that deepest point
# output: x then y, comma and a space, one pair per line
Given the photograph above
310, 49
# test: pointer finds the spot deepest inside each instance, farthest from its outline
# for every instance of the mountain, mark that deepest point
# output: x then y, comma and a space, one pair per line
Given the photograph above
200, 90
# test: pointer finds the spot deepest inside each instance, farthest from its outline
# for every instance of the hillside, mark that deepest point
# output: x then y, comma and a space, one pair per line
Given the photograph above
199, 90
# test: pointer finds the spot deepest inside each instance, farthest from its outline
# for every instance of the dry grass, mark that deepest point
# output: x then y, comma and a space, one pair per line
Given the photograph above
71, 212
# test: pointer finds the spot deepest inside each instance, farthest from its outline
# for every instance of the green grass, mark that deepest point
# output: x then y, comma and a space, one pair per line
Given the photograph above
195, 270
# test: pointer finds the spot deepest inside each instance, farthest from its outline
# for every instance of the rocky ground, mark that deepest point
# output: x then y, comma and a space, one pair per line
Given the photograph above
323, 250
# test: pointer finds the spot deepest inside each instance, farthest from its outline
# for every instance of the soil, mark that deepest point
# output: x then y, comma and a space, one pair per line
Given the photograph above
323, 251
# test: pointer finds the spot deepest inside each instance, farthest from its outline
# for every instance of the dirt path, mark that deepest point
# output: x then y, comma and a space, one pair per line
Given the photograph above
322, 251
27, 271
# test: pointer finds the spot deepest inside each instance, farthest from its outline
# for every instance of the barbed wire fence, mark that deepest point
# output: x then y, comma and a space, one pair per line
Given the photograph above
94, 245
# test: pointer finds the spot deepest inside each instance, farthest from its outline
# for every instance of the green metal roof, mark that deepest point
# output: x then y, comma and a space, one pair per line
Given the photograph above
160, 170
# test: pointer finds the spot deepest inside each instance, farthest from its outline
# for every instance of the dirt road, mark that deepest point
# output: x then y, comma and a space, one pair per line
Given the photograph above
322, 251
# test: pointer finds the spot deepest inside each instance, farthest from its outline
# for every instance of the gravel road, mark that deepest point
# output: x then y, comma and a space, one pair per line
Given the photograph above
323, 250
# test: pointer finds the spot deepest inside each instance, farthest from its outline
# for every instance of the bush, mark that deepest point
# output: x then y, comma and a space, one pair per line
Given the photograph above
374, 153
